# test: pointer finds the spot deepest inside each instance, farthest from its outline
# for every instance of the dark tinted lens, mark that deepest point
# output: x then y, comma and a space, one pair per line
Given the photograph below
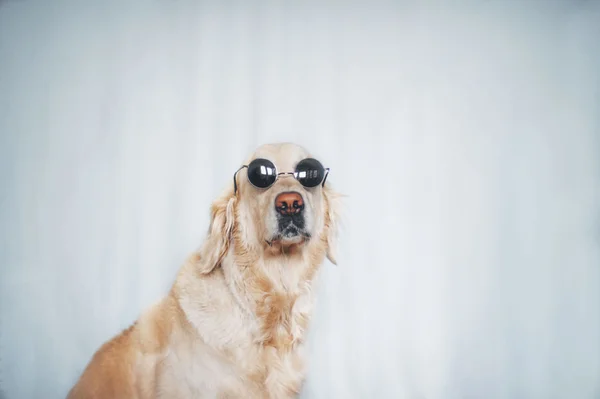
262, 173
310, 172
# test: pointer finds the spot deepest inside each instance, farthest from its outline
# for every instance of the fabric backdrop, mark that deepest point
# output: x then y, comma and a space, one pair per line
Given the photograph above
466, 137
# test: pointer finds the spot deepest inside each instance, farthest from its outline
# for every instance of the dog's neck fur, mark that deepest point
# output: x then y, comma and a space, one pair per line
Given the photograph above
274, 287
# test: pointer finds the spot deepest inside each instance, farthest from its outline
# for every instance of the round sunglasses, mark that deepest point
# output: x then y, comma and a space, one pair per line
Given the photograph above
262, 173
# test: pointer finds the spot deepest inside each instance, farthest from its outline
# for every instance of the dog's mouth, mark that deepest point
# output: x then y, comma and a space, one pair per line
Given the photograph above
291, 230
286, 241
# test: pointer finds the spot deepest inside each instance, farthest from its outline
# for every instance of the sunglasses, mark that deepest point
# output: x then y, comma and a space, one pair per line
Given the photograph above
262, 173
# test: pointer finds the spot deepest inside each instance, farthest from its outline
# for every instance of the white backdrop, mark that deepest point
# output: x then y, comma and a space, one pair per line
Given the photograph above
467, 139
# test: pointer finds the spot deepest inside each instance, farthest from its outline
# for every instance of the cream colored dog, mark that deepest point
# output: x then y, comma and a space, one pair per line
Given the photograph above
234, 322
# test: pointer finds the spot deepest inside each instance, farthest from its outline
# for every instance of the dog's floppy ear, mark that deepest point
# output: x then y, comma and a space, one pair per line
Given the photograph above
333, 202
216, 244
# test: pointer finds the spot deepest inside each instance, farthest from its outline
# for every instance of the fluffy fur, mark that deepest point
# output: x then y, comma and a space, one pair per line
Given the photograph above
234, 322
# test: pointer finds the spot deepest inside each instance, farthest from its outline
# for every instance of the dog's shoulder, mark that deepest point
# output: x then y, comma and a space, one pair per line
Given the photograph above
109, 372
209, 304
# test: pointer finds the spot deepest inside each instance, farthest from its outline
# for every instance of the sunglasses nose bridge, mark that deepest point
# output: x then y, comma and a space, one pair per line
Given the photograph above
285, 174
287, 181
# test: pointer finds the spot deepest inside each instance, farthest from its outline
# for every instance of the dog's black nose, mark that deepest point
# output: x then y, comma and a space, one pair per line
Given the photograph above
289, 203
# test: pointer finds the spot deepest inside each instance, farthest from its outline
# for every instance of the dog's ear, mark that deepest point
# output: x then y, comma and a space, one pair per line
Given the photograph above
216, 244
333, 202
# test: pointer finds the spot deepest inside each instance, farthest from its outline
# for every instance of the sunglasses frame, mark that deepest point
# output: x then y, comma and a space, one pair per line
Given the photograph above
277, 174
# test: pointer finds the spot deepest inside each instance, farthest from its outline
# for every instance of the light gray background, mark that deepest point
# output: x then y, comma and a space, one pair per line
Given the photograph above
466, 136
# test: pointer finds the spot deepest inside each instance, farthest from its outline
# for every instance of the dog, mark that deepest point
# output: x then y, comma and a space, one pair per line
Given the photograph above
234, 322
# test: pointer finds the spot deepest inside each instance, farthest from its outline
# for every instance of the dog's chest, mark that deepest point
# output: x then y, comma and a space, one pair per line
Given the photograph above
282, 323
263, 354
264, 359
256, 338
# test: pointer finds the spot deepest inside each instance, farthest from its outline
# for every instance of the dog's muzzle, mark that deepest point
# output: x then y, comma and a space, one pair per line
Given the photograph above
290, 214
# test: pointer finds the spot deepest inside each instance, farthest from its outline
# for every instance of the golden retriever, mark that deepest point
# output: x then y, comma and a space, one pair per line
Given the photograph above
234, 322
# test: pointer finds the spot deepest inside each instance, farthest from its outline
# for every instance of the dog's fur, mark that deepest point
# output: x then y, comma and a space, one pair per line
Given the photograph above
234, 322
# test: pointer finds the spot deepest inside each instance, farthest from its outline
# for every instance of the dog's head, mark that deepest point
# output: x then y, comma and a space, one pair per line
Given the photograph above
279, 203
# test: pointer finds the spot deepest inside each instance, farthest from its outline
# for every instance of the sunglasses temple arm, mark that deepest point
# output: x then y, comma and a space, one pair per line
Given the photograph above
235, 179
325, 178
